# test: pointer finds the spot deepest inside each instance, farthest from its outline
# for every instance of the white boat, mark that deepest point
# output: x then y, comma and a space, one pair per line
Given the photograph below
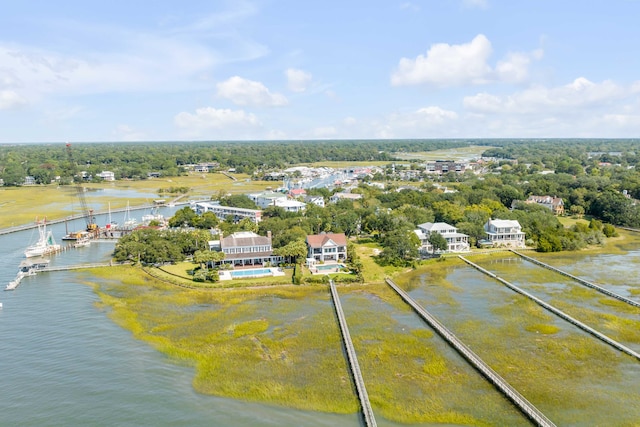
129, 223
45, 245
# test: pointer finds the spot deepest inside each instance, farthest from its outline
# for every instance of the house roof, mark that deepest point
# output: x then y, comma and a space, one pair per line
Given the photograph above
436, 226
554, 201
244, 238
504, 223
319, 240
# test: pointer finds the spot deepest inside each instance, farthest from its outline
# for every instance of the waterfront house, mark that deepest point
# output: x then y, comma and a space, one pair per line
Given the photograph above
504, 232
327, 247
246, 248
107, 175
456, 242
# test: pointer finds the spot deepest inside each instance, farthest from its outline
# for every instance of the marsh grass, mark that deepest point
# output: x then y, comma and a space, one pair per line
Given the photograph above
277, 345
21, 205
549, 361
410, 374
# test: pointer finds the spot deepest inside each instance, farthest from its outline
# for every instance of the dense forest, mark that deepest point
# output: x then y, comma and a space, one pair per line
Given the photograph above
136, 160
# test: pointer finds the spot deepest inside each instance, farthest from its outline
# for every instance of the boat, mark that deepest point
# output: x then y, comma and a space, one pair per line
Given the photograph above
154, 216
129, 223
45, 245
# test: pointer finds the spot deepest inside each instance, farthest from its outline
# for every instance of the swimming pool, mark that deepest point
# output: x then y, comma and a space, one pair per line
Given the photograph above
323, 267
254, 272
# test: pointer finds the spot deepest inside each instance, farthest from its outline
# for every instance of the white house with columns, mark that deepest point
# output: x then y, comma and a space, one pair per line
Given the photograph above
505, 232
456, 242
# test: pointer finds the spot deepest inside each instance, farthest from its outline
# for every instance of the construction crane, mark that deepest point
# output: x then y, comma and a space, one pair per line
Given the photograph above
87, 213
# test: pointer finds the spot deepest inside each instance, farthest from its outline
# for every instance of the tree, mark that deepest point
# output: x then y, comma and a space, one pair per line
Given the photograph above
183, 217
400, 248
294, 251
205, 257
438, 242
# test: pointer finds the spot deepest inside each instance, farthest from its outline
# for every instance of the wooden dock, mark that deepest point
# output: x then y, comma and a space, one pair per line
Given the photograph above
526, 407
365, 405
557, 312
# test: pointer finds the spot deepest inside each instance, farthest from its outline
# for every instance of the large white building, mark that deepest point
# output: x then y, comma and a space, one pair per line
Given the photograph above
504, 232
456, 242
224, 211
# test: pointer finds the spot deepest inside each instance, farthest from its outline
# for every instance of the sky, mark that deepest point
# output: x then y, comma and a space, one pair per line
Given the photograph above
134, 70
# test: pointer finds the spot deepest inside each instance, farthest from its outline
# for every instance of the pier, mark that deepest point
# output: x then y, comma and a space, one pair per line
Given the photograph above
579, 280
526, 407
556, 311
367, 411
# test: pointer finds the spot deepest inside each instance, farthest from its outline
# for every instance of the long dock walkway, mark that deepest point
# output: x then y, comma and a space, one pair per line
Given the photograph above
367, 411
556, 311
526, 407
579, 280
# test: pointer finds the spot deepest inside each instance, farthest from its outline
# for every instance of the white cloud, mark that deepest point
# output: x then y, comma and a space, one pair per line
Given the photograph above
248, 92
298, 80
10, 100
446, 65
463, 64
581, 93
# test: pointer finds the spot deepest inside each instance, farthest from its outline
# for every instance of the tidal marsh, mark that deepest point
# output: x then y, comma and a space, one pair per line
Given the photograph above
278, 345
552, 363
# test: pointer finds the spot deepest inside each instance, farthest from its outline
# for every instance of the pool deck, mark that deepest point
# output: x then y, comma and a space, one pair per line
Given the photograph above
327, 268
226, 274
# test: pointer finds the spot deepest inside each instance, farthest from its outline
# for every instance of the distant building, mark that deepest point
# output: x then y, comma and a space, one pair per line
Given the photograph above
441, 167
316, 200
29, 180
223, 212
456, 242
297, 192
266, 198
327, 247
344, 196
290, 205
555, 204
504, 232
107, 175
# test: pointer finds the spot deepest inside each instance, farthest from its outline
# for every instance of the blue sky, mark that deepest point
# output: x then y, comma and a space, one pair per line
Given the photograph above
280, 69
